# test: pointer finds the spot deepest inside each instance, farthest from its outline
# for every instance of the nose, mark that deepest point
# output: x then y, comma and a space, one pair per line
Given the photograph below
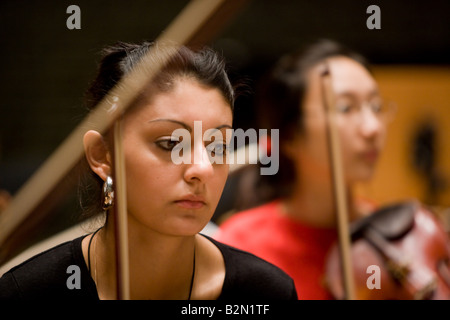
200, 168
370, 124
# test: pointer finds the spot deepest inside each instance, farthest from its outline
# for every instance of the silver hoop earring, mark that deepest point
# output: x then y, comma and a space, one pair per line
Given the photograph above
108, 193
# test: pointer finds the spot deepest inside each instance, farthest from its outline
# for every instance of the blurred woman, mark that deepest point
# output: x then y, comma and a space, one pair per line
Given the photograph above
294, 224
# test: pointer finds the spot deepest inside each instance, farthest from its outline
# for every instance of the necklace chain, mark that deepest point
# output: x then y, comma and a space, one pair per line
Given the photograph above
95, 262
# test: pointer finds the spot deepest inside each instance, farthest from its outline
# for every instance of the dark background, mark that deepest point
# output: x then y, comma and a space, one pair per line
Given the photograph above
45, 67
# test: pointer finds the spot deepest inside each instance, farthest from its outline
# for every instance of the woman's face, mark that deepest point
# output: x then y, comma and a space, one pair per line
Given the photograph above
169, 198
361, 131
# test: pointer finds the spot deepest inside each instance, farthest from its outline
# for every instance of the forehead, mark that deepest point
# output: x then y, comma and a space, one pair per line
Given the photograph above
350, 77
186, 100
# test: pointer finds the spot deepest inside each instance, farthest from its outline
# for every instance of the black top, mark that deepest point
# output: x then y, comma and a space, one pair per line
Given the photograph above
48, 276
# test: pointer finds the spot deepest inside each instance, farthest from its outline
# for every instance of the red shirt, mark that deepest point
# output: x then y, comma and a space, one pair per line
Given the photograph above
298, 249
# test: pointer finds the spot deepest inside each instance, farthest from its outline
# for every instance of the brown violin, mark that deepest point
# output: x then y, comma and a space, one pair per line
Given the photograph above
399, 252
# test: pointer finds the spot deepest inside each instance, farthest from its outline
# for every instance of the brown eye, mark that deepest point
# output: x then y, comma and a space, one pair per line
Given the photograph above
377, 106
345, 108
167, 144
217, 148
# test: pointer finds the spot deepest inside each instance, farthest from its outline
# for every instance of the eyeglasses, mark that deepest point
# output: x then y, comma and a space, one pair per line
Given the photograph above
352, 109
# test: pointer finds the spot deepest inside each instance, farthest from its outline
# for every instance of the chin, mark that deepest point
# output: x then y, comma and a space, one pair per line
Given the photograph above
363, 175
188, 227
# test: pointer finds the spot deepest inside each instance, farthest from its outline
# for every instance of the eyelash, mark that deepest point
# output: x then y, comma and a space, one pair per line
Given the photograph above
163, 144
214, 148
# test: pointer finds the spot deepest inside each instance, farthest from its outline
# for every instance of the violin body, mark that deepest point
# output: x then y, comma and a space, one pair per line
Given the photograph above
400, 252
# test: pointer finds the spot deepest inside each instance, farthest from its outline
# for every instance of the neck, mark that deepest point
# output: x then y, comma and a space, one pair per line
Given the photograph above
154, 264
313, 204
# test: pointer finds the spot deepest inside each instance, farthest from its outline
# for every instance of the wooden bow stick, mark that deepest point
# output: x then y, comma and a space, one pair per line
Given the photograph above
339, 186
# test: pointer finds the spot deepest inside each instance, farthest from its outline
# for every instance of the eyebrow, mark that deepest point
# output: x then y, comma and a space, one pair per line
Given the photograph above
173, 121
350, 94
184, 125
223, 126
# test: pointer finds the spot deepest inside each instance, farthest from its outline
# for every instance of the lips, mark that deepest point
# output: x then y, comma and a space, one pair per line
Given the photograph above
191, 202
370, 155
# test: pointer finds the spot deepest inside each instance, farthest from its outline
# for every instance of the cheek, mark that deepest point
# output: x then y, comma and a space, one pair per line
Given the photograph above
316, 143
146, 174
143, 183
382, 137
346, 142
148, 178
218, 181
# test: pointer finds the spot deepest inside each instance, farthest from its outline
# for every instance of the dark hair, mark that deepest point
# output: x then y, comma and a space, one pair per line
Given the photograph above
279, 100
203, 65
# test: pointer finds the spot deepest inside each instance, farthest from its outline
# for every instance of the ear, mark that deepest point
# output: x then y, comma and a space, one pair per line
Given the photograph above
97, 153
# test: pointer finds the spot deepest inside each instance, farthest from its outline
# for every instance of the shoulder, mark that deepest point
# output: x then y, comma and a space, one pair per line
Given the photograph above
48, 259
45, 274
250, 277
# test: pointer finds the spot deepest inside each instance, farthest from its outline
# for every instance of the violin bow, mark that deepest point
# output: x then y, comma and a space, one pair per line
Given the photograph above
120, 215
338, 184
196, 23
